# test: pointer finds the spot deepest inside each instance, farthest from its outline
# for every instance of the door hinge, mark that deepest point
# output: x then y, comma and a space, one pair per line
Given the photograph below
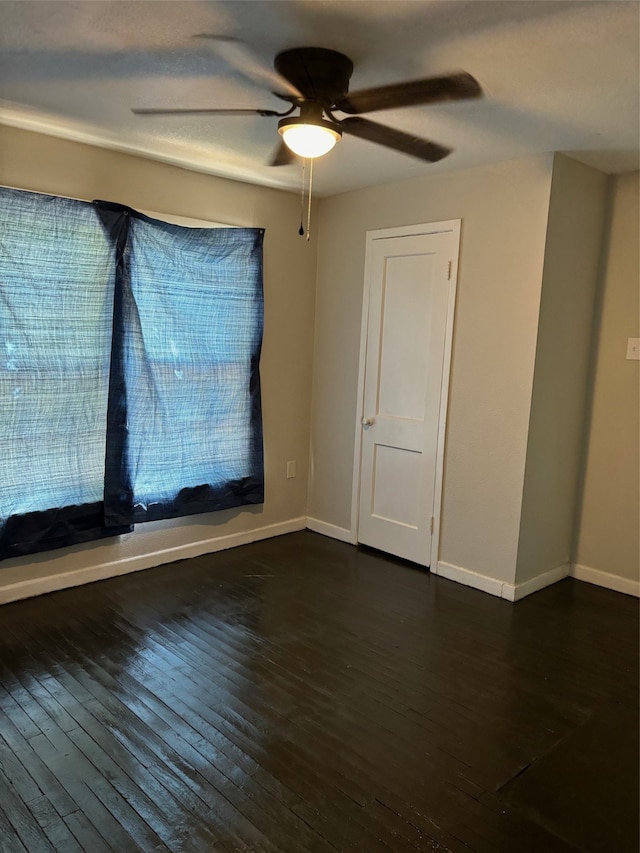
449, 271
433, 524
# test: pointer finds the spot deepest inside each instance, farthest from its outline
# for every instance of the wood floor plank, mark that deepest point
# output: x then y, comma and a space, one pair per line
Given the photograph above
33, 764
153, 802
9, 838
177, 757
85, 834
22, 820
55, 830
88, 791
340, 783
300, 694
13, 772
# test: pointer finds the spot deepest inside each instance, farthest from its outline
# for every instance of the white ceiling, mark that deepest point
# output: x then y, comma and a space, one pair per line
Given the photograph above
558, 76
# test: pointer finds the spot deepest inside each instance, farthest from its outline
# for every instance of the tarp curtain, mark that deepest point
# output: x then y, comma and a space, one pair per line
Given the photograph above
184, 408
129, 380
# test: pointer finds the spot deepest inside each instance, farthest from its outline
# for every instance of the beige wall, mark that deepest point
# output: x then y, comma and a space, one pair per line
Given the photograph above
608, 537
490, 450
503, 208
556, 427
45, 164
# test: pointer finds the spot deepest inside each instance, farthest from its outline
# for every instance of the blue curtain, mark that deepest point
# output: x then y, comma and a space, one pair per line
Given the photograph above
185, 425
129, 380
56, 305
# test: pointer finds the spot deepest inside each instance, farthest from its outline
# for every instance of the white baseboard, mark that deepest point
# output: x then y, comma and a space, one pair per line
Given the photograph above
331, 530
62, 580
469, 578
493, 586
599, 578
514, 592
511, 592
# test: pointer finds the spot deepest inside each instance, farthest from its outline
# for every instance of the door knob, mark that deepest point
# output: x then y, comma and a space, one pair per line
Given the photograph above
367, 421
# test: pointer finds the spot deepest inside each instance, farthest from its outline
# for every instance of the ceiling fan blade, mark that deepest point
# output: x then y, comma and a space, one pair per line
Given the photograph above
152, 111
396, 139
282, 156
238, 55
434, 90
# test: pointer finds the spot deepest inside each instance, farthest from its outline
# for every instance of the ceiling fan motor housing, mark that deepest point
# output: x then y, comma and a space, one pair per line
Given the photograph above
319, 74
315, 80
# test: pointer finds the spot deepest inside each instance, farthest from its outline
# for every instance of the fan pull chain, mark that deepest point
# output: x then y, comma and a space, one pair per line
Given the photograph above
301, 229
309, 206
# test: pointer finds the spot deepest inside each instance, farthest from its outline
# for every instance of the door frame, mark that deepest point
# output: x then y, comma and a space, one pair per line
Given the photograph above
452, 226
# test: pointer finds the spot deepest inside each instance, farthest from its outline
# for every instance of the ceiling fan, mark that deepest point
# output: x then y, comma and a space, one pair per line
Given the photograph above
315, 81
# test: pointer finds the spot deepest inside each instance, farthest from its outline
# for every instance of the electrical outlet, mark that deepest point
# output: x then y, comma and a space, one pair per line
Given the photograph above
633, 349
291, 469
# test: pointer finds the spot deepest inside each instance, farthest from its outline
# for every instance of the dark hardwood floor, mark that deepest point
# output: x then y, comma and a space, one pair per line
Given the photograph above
299, 694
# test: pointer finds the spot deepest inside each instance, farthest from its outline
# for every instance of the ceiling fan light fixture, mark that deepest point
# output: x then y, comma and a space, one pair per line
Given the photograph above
309, 139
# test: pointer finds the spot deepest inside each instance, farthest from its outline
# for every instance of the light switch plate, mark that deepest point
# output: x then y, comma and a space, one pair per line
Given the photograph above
633, 349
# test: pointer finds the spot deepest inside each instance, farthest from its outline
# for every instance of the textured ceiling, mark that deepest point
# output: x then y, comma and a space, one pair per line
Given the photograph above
558, 76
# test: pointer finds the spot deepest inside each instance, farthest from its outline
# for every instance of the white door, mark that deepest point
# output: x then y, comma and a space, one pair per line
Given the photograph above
410, 284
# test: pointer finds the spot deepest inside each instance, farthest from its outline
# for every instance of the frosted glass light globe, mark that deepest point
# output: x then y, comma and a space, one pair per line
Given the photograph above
309, 140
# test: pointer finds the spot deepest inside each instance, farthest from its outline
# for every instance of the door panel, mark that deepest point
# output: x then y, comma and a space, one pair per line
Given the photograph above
396, 485
405, 345
405, 311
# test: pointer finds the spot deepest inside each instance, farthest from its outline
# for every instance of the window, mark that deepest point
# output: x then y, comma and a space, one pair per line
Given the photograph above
130, 375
